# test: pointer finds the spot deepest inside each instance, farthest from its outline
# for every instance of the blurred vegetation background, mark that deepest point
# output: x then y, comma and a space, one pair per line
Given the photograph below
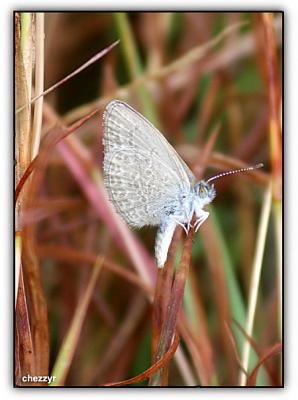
86, 283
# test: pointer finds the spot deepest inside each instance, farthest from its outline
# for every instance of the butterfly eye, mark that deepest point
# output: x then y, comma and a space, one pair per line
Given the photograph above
202, 191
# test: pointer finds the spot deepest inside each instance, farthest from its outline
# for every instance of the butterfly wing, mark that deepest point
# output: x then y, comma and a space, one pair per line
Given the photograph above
125, 126
143, 174
142, 190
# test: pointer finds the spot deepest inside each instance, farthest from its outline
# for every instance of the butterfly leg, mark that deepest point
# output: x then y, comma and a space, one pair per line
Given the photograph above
183, 225
201, 218
188, 226
188, 217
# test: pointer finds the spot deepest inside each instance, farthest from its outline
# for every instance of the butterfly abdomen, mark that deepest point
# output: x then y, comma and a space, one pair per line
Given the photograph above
163, 240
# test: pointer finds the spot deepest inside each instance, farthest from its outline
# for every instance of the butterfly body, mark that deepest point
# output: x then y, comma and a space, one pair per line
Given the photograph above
181, 213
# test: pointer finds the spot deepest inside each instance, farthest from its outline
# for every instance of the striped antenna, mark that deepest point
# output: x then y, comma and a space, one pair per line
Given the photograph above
235, 171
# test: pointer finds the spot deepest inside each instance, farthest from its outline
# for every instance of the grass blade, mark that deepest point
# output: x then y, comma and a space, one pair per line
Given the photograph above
66, 353
255, 278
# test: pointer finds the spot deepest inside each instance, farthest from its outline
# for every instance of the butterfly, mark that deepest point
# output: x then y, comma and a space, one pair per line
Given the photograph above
147, 181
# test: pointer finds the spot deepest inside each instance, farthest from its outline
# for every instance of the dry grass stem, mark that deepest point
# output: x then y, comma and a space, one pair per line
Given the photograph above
255, 278
69, 345
39, 84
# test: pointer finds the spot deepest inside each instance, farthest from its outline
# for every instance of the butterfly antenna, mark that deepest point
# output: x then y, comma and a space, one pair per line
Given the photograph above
235, 171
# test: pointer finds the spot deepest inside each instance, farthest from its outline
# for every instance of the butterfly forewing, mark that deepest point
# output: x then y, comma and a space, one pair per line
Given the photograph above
125, 126
143, 173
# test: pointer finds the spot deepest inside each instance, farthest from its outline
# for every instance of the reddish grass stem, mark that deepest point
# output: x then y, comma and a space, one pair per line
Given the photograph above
173, 308
163, 292
167, 302
167, 356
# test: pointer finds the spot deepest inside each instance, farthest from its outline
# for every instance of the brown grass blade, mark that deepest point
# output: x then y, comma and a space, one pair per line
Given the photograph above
274, 93
24, 350
23, 72
92, 60
155, 367
273, 351
38, 304
163, 292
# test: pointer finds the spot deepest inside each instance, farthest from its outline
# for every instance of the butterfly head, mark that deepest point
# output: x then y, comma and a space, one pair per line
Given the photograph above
205, 192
